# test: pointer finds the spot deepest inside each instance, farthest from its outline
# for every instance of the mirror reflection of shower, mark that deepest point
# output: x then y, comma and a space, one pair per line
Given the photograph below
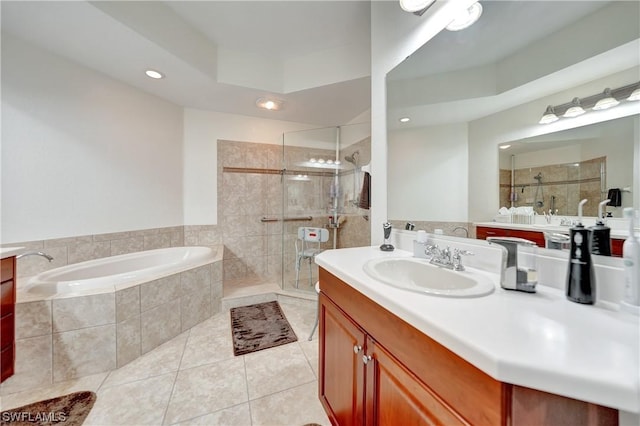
354, 159
538, 199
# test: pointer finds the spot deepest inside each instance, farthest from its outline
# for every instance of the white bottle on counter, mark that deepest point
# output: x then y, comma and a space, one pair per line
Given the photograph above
631, 260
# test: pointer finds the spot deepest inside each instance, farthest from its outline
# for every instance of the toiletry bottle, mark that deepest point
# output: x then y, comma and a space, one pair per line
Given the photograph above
581, 283
600, 234
631, 260
386, 227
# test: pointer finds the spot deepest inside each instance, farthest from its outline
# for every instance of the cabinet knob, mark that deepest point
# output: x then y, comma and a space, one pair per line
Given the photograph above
366, 359
357, 348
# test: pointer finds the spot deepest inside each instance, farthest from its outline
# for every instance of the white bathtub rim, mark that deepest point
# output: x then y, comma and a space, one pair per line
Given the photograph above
23, 296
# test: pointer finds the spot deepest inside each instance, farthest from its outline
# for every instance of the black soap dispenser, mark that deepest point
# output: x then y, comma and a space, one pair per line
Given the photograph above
600, 234
581, 282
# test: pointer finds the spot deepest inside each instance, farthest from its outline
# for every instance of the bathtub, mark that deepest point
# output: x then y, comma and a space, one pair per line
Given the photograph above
92, 317
114, 273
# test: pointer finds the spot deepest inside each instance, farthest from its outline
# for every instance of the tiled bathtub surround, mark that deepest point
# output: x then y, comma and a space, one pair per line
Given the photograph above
65, 338
66, 251
448, 228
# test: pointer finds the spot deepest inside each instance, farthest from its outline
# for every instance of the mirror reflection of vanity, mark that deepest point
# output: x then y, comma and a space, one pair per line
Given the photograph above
468, 92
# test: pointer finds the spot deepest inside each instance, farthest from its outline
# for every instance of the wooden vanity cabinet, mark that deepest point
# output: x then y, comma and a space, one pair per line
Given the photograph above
376, 369
482, 232
7, 317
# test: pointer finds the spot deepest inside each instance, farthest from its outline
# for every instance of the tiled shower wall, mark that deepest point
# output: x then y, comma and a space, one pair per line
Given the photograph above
252, 247
568, 183
250, 188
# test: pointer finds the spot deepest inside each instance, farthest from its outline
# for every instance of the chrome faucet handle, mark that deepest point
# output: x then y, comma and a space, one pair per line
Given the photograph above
456, 260
431, 250
446, 254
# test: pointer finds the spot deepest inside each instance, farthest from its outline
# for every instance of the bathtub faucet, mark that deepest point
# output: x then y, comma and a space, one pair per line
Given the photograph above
35, 253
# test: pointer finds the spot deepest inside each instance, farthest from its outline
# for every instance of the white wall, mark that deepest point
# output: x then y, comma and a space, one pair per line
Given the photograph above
202, 129
81, 153
427, 177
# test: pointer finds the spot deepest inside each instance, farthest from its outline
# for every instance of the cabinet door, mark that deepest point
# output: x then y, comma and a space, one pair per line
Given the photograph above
341, 384
394, 396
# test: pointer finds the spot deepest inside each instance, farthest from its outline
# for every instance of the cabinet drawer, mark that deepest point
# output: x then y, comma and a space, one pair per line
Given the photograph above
6, 272
6, 362
6, 330
7, 298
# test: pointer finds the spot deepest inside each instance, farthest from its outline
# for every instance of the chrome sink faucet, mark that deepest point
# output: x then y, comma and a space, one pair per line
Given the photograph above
35, 253
446, 258
513, 277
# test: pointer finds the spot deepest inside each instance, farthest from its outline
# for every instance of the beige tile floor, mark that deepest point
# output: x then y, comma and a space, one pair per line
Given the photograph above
196, 379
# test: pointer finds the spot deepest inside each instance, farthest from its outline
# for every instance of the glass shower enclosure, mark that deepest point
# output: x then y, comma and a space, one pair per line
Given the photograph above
322, 176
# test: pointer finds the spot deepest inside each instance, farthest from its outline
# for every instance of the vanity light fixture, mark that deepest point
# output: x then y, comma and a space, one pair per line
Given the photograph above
466, 18
606, 99
269, 104
404, 120
575, 109
607, 102
154, 74
417, 7
549, 116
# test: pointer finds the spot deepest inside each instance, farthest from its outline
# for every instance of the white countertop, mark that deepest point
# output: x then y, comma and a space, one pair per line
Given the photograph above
615, 233
541, 341
10, 251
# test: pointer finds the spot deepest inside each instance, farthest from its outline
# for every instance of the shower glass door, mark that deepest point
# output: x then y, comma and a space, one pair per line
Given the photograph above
321, 186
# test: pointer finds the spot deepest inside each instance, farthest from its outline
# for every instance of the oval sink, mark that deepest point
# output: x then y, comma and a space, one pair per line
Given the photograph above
419, 276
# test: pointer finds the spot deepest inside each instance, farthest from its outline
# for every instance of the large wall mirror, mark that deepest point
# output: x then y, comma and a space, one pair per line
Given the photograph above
468, 92
553, 172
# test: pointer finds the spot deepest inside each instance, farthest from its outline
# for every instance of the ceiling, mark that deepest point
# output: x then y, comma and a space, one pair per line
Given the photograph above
518, 52
216, 55
315, 55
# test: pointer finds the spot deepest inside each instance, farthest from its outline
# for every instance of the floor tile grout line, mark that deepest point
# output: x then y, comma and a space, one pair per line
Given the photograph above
211, 412
246, 383
175, 379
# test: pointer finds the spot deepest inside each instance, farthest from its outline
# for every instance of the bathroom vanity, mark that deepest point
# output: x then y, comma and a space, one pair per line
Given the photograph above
7, 313
531, 233
388, 356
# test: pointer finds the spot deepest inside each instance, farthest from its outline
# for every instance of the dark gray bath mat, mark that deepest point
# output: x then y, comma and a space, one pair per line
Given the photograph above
259, 326
67, 410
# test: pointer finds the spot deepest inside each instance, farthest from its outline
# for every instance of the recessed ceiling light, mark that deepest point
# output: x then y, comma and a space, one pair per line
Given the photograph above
466, 18
269, 104
405, 120
154, 74
505, 146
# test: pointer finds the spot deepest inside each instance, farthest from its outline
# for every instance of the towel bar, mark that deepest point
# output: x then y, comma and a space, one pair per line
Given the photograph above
286, 219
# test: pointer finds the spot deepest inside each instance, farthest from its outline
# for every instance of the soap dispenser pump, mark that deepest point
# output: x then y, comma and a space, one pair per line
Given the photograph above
581, 283
600, 235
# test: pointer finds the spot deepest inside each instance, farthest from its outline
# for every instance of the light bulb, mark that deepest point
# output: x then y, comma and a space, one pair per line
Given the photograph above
607, 102
549, 116
575, 109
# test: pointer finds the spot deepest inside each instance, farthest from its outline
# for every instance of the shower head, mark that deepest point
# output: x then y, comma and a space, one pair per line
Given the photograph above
353, 158
538, 177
